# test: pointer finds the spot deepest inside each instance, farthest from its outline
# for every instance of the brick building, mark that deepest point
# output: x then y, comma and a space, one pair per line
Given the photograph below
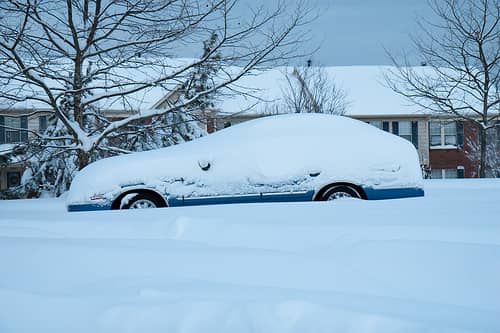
442, 143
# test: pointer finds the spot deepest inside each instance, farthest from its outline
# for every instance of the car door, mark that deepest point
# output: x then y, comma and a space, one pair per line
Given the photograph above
234, 166
285, 169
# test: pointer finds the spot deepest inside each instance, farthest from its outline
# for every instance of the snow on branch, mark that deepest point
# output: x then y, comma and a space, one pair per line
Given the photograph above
99, 66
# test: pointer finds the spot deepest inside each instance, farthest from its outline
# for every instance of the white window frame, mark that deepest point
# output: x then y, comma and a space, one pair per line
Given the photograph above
12, 129
408, 136
443, 172
376, 123
443, 134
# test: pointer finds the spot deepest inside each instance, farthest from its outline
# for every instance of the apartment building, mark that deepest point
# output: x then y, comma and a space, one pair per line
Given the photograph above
17, 126
442, 143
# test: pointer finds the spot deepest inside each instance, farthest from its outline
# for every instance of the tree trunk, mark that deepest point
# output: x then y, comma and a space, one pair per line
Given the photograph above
482, 160
83, 159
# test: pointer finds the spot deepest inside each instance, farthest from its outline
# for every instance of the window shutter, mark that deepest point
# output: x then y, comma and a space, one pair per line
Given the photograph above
460, 133
42, 124
414, 133
385, 126
395, 127
24, 125
2, 130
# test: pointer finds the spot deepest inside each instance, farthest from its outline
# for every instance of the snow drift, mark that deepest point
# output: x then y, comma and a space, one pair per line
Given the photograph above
429, 264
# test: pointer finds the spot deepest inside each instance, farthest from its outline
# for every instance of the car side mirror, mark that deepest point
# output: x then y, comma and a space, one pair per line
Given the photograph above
204, 165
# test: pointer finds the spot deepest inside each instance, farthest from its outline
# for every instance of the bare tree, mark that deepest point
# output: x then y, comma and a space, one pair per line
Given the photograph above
461, 78
473, 151
79, 57
312, 90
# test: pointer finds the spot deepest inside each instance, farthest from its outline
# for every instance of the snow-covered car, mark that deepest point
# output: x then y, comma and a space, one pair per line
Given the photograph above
300, 157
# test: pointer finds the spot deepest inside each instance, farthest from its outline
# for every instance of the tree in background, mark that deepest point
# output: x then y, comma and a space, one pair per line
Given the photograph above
461, 77
311, 90
48, 169
80, 58
182, 124
473, 151
203, 76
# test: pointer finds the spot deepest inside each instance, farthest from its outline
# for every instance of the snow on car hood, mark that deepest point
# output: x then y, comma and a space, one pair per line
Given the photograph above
271, 154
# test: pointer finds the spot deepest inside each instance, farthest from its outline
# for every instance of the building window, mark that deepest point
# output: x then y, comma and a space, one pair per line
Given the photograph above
435, 133
405, 130
11, 129
385, 126
448, 133
448, 173
12, 134
377, 124
437, 173
13, 179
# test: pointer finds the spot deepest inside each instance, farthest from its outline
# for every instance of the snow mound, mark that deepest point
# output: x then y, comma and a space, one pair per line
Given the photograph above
271, 154
428, 264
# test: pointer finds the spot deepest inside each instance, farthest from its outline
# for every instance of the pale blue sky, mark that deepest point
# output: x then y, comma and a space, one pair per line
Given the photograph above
355, 32
352, 32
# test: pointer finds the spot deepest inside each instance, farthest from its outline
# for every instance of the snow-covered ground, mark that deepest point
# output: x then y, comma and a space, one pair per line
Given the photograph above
427, 264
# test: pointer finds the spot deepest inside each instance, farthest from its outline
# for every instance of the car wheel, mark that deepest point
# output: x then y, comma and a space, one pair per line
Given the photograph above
140, 201
339, 192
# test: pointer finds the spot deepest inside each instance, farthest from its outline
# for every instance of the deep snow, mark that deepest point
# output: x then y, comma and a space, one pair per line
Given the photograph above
427, 264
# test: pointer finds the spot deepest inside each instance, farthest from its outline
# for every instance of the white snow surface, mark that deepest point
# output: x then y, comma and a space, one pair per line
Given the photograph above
429, 264
6, 148
144, 99
367, 93
271, 154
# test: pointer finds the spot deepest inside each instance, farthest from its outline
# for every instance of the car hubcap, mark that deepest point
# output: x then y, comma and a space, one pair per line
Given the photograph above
142, 203
339, 195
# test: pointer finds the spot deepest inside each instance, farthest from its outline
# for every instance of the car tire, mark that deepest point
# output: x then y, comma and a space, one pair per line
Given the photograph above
339, 192
142, 200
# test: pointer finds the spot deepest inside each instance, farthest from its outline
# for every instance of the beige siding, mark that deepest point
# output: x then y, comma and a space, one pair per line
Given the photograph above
233, 120
423, 141
32, 125
3, 174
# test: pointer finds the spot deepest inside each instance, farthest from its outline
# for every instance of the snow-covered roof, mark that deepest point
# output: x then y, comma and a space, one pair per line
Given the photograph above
144, 99
6, 148
367, 93
7, 153
141, 100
